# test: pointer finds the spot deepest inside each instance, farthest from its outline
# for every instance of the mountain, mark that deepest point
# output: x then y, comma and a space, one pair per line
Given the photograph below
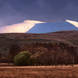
52, 27
48, 49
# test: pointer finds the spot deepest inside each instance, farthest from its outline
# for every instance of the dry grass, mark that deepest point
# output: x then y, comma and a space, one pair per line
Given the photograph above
39, 72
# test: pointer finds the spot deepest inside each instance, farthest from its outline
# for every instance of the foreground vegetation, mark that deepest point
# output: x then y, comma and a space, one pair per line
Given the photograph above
39, 72
22, 59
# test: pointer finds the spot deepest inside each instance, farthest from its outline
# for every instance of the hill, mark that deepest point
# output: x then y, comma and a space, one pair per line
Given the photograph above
50, 48
52, 27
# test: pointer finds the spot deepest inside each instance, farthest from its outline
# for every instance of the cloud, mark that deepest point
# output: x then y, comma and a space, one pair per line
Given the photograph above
20, 27
25, 26
73, 23
15, 11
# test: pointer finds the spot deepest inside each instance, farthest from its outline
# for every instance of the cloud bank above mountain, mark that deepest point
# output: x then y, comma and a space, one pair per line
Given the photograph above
75, 23
34, 26
20, 27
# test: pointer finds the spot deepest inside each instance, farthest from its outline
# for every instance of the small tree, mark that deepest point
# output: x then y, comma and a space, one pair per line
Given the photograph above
22, 59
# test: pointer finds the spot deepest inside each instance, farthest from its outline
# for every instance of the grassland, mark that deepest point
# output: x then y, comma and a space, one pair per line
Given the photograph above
39, 71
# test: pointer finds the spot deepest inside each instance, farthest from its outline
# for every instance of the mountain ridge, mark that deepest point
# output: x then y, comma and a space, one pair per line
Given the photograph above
52, 27
45, 47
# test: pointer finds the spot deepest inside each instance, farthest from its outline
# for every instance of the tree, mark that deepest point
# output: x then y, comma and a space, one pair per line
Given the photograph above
22, 59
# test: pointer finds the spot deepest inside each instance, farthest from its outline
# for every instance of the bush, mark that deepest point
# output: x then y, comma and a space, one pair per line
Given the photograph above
22, 59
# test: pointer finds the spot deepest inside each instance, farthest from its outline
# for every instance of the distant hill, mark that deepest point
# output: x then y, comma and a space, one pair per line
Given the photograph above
52, 27
50, 48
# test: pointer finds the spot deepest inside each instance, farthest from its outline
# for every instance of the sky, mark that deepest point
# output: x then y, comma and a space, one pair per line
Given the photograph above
15, 12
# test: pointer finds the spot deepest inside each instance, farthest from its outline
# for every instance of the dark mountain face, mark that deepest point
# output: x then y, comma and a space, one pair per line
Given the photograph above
52, 27
50, 48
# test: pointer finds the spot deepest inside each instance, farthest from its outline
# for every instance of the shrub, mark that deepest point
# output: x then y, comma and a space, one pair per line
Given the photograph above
22, 59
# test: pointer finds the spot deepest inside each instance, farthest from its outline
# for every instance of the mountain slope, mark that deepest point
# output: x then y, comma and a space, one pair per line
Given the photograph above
52, 27
50, 48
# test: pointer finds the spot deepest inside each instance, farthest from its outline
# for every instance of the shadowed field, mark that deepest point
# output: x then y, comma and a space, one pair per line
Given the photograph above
39, 72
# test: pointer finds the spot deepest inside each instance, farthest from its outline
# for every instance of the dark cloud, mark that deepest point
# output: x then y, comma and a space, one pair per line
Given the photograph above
14, 11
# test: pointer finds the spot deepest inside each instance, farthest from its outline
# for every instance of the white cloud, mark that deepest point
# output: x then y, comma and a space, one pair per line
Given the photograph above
20, 27
73, 23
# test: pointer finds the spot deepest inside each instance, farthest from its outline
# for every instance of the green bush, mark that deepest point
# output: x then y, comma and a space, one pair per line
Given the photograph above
22, 59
